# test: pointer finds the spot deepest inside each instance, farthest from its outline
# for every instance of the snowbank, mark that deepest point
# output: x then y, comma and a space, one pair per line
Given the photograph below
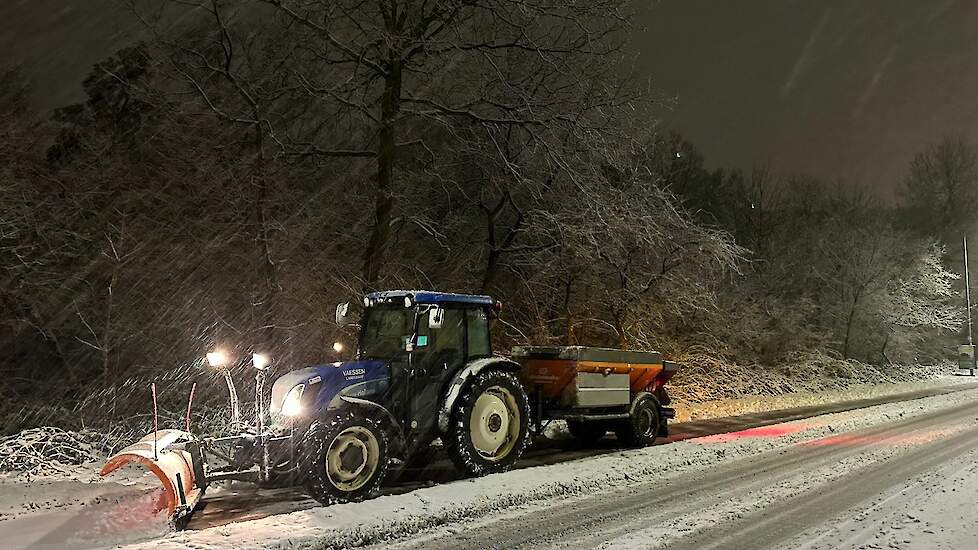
936, 377
708, 378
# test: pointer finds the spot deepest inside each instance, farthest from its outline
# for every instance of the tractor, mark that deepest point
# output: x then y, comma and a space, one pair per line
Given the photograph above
424, 369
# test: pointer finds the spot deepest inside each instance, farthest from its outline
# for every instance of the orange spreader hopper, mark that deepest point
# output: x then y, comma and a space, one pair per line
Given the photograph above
163, 455
565, 373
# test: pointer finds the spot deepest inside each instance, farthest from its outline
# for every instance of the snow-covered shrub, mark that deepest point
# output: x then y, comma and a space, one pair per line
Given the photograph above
50, 451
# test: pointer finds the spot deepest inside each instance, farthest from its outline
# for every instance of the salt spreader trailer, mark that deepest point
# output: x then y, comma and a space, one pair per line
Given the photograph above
597, 390
424, 369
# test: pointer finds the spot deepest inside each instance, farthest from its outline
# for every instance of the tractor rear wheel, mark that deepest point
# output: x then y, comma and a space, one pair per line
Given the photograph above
490, 426
642, 424
344, 458
587, 433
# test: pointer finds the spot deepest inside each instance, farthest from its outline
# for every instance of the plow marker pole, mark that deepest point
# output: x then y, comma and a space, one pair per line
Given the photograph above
190, 403
156, 422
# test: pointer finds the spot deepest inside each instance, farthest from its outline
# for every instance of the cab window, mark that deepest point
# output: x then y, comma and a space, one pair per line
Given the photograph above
478, 333
444, 345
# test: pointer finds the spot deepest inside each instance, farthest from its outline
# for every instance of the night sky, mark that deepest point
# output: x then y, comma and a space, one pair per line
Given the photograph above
837, 89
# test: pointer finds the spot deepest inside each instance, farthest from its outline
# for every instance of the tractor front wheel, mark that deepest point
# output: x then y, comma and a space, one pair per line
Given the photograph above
490, 425
344, 458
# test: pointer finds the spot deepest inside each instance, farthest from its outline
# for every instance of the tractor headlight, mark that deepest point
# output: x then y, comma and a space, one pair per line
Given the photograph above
292, 404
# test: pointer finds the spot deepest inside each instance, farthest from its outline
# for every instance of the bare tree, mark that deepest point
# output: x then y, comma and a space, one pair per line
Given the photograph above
941, 190
370, 80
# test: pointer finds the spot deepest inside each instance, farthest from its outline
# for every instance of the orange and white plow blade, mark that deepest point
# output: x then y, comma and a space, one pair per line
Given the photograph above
173, 467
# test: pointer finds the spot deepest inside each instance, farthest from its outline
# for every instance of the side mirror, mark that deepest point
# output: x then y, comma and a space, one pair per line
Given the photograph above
343, 314
436, 317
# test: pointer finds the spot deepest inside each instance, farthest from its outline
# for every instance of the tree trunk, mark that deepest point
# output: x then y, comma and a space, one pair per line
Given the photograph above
622, 337
849, 322
265, 317
384, 198
568, 315
267, 291
886, 341
107, 341
489, 275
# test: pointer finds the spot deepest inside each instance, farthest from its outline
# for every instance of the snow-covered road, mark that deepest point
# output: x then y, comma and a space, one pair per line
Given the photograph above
245, 502
910, 481
842, 479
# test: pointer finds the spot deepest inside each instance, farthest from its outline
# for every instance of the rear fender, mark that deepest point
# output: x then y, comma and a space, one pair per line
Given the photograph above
162, 453
461, 379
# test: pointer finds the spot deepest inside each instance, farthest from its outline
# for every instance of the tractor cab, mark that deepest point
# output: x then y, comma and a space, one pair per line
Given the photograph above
432, 332
424, 338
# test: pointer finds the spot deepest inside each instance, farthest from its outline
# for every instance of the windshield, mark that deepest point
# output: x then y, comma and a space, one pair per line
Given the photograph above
385, 331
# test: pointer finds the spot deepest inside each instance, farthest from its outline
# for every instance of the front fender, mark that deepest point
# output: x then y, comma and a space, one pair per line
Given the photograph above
462, 377
377, 411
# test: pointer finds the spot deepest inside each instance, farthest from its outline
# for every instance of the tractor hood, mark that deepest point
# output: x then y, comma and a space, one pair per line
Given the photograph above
322, 385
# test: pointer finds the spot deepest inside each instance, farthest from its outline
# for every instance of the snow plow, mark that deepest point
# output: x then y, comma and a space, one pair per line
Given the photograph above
424, 369
161, 453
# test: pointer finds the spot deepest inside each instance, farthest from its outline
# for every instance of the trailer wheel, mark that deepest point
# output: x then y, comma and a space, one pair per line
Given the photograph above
344, 458
642, 425
587, 433
490, 425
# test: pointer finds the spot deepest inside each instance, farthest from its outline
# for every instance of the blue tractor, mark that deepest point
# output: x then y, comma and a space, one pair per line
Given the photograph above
424, 369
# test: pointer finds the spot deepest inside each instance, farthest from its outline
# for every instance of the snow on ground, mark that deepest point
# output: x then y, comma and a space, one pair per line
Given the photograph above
392, 517
932, 511
761, 500
755, 404
42, 512
83, 511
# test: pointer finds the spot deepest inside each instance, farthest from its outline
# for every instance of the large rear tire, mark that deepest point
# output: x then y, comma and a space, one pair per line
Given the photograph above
642, 425
490, 424
344, 458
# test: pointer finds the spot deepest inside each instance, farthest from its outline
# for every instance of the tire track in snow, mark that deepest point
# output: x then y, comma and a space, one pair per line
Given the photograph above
589, 521
782, 520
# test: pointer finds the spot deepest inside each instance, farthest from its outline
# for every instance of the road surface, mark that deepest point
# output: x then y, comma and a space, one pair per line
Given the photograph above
831, 492
246, 502
750, 479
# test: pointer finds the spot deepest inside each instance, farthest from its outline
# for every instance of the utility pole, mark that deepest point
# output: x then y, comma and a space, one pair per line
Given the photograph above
967, 293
